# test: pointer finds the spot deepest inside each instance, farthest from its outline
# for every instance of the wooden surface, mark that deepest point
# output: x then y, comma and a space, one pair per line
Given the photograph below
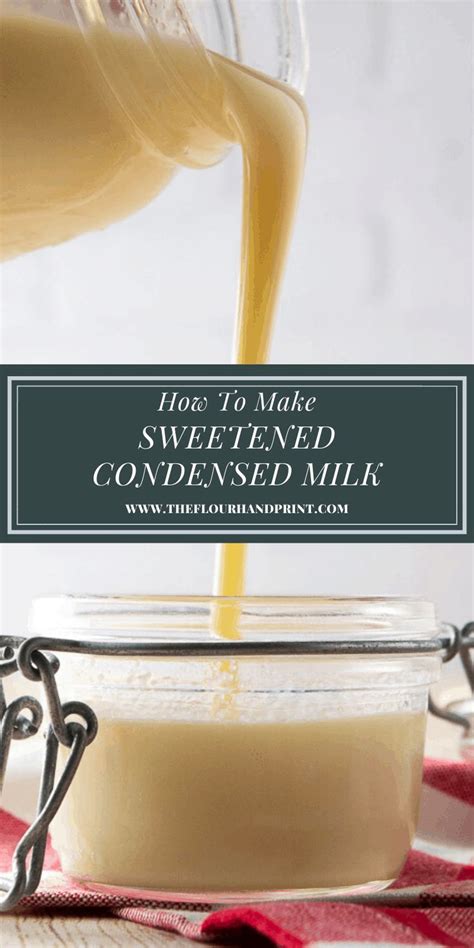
71, 931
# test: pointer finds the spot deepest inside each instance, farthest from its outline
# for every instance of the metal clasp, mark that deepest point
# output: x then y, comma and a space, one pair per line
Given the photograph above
460, 712
21, 719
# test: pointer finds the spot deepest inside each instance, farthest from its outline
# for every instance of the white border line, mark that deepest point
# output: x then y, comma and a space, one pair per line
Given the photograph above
247, 381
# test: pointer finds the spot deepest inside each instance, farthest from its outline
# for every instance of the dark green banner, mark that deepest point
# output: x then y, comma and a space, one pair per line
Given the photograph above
213, 453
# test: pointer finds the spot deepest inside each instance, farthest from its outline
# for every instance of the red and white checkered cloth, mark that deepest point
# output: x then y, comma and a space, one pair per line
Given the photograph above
432, 903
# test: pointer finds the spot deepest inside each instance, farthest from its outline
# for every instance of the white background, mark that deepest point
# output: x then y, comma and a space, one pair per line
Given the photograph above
379, 272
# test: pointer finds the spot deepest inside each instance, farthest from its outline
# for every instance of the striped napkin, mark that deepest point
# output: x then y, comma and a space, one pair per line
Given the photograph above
432, 903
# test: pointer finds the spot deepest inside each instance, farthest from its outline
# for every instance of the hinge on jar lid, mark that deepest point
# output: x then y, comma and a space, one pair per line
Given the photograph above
461, 711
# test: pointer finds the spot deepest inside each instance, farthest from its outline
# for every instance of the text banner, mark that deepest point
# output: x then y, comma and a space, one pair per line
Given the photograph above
215, 453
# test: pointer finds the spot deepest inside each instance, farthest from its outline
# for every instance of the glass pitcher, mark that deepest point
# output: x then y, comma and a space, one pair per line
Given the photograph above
133, 90
268, 35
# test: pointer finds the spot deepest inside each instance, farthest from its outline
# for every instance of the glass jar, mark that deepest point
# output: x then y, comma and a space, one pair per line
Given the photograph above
286, 763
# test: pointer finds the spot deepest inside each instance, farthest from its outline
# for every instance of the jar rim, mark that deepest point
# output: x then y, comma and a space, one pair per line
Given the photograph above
255, 618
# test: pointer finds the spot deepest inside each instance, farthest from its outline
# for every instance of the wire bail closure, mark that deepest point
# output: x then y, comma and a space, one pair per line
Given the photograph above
461, 712
36, 660
16, 725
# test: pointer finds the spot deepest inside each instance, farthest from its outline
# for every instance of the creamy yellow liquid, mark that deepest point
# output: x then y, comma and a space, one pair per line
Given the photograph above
92, 131
202, 808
